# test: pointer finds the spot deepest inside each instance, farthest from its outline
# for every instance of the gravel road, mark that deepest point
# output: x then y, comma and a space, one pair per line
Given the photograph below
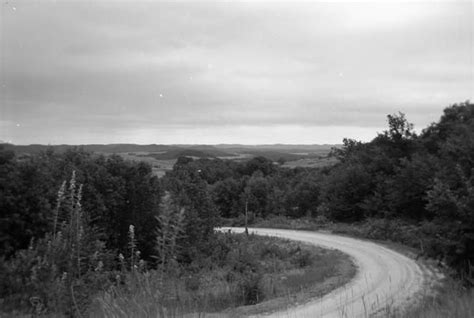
385, 281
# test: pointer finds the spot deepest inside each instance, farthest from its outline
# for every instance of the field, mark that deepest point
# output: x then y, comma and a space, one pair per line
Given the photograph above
163, 157
162, 162
158, 166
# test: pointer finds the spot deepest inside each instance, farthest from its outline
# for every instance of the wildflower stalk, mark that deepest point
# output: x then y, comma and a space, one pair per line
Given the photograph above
132, 246
170, 227
59, 201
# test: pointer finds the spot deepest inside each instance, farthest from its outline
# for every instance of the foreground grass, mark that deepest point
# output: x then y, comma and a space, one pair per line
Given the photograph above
255, 274
452, 301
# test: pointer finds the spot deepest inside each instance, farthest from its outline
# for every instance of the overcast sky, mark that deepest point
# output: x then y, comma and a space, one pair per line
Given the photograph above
228, 72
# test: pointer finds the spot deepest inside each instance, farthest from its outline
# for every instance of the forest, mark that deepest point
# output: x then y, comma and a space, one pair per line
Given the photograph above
76, 223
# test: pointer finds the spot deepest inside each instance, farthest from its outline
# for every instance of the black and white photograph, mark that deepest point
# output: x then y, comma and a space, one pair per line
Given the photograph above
244, 158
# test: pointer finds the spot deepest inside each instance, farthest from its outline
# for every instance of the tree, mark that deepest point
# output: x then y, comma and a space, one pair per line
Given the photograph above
406, 190
303, 197
192, 193
258, 191
117, 193
344, 191
226, 195
399, 128
262, 164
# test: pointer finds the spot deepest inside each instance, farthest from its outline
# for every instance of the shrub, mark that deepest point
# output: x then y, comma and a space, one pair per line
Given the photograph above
303, 258
57, 273
251, 288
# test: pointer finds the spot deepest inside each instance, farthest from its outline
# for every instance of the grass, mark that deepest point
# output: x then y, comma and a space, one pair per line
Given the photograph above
454, 301
257, 274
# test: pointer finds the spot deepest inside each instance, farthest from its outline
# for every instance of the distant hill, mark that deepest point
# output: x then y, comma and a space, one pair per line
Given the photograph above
189, 152
168, 152
111, 148
163, 152
280, 147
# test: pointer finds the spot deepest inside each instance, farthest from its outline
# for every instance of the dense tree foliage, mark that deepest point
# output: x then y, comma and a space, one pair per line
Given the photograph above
116, 193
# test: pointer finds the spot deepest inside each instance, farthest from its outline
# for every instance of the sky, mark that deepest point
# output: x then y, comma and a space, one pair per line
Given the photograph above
256, 72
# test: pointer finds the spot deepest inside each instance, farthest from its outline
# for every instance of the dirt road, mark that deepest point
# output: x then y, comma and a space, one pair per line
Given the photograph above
386, 280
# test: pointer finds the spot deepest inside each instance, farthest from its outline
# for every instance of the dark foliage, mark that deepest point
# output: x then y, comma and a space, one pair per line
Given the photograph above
116, 193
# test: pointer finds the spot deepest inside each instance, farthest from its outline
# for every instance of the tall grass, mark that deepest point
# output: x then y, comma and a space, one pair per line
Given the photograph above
453, 301
251, 270
148, 293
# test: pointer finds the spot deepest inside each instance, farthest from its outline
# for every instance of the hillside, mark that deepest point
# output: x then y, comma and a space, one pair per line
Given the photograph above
167, 152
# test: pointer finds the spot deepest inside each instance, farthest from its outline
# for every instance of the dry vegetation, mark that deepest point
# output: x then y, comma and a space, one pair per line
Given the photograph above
255, 274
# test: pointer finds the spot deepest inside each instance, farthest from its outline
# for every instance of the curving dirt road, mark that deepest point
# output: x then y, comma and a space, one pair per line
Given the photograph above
385, 281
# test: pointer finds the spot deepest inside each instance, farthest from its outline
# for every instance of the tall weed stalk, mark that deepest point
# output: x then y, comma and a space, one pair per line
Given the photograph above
170, 229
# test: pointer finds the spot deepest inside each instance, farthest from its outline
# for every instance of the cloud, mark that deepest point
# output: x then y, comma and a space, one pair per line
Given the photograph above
108, 70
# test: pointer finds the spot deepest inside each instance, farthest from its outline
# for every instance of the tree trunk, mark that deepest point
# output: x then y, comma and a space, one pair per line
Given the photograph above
246, 217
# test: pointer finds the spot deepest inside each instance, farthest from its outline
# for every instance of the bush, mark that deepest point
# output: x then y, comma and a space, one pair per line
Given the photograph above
303, 258
58, 273
251, 288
